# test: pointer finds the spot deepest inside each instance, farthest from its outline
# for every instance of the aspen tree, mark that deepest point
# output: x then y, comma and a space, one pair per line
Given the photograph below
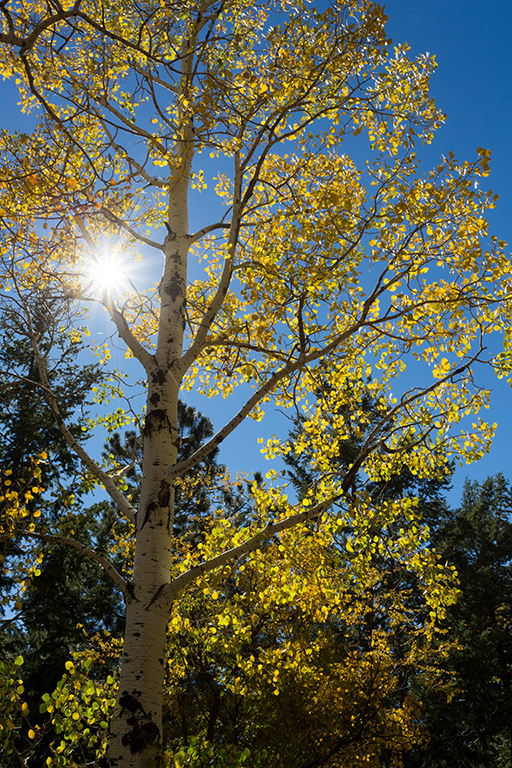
314, 262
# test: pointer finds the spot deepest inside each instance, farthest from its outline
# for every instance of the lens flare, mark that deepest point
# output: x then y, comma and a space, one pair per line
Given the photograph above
107, 274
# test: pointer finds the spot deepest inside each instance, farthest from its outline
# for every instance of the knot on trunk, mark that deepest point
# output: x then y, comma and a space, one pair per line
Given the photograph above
164, 494
143, 731
155, 421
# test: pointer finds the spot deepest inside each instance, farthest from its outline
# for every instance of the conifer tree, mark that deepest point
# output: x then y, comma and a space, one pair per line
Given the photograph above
469, 719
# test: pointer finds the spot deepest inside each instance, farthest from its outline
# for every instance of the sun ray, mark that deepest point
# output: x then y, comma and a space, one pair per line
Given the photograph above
107, 273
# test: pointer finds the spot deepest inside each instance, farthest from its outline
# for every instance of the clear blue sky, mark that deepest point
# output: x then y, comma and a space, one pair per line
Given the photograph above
473, 85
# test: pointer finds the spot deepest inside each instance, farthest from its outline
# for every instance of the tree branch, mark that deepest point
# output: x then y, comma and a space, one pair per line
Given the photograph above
301, 361
26, 43
183, 466
120, 223
205, 230
154, 78
271, 529
115, 494
132, 127
217, 302
152, 180
84, 549
139, 351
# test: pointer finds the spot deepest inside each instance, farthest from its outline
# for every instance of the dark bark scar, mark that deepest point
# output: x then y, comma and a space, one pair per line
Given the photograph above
143, 731
158, 377
174, 289
164, 494
156, 420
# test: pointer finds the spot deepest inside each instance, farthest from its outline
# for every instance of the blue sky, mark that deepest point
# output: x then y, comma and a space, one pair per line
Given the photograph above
471, 42
473, 85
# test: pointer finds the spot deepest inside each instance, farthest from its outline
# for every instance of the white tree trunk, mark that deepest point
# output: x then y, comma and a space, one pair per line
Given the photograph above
136, 727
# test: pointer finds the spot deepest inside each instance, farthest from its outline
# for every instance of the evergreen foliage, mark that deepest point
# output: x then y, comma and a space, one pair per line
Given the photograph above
469, 720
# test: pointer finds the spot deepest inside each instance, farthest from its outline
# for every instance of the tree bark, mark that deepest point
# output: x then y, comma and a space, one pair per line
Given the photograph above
136, 726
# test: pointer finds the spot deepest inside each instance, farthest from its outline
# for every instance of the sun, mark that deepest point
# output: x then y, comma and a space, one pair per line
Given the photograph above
107, 273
